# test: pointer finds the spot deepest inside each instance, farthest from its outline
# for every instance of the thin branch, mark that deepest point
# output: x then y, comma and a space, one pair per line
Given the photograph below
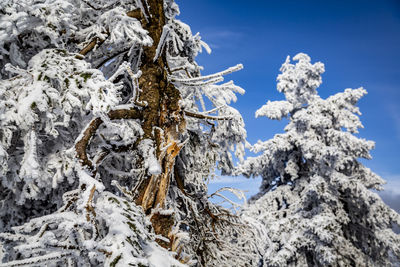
113, 148
137, 13
89, 207
127, 194
82, 144
43, 230
136, 88
206, 117
179, 69
201, 83
207, 77
96, 8
143, 7
89, 47
213, 110
36, 260
112, 56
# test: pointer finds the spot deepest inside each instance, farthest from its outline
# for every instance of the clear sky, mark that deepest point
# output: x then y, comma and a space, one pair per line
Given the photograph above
358, 41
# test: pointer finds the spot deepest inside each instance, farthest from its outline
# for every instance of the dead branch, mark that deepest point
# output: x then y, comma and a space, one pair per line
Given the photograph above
82, 144
206, 117
179, 69
112, 56
136, 13
89, 207
89, 47
113, 148
96, 8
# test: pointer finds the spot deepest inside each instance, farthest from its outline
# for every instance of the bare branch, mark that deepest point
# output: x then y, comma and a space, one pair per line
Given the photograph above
89, 47
93, 7
206, 117
89, 207
207, 77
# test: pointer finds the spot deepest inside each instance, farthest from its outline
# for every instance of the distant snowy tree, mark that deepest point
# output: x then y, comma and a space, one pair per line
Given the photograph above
108, 136
315, 199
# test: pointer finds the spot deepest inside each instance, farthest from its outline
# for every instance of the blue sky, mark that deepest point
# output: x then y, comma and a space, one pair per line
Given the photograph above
358, 41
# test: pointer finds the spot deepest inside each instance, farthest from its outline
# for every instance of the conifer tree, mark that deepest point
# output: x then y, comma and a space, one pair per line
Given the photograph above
109, 133
315, 200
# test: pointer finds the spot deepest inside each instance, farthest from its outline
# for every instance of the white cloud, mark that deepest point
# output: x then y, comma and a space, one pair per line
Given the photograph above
391, 193
223, 34
392, 185
221, 38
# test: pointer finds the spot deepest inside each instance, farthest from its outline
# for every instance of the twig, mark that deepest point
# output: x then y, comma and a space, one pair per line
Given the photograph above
96, 8
89, 47
112, 56
36, 260
89, 207
206, 117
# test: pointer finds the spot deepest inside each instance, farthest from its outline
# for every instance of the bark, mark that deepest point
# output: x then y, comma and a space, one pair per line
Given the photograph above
162, 118
163, 121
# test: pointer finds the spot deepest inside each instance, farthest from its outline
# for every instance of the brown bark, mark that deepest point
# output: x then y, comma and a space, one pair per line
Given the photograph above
89, 47
163, 121
162, 118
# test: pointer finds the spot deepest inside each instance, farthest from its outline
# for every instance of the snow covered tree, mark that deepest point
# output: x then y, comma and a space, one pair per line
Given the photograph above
315, 200
108, 136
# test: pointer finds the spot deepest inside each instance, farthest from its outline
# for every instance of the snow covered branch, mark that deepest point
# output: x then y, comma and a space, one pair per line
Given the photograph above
206, 117
85, 137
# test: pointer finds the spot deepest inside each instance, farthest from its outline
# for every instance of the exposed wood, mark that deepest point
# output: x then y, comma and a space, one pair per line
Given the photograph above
169, 161
162, 225
89, 47
89, 207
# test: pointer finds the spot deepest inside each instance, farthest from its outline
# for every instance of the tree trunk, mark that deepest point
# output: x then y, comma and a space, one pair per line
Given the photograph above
163, 120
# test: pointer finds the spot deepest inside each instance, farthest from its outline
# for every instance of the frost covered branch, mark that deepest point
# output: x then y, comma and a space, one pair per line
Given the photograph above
207, 117
83, 141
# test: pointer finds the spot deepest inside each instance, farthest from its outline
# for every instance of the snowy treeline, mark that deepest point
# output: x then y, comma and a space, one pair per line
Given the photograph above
109, 134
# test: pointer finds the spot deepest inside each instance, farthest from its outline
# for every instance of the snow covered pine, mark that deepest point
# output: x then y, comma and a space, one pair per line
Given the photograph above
315, 200
106, 139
